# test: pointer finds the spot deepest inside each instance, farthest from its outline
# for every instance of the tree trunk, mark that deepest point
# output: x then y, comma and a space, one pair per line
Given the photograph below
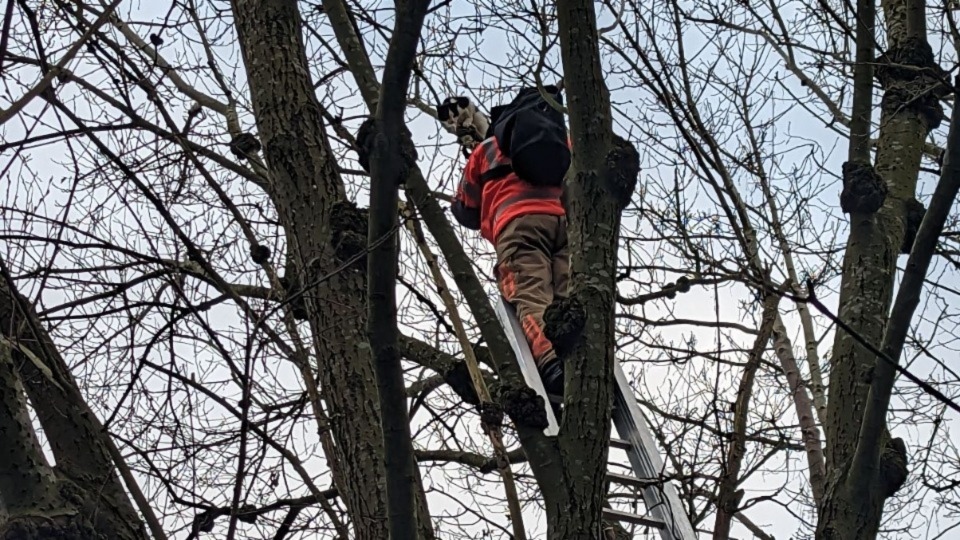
31, 504
909, 111
323, 231
601, 182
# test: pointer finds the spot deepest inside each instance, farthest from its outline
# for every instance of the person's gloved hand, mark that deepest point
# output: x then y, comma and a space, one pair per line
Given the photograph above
468, 132
469, 138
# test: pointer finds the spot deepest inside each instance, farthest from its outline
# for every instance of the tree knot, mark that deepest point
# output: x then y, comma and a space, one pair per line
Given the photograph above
365, 141
293, 294
622, 169
348, 226
913, 212
863, 189
893, 467
491, 414
681, 286
563, 322
260, 254
918, 96
204, 521
911, 59
913, 80
525, 407
244, 145
490, 466
408, 156
371, 136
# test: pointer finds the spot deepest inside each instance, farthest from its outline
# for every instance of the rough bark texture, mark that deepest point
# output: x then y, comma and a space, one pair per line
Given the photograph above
601, 181
27, 483
86, 475
393, 153
866, 468
323, 231
909, 110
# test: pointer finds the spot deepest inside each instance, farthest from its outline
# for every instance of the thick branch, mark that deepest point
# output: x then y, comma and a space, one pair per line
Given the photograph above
470, 459
809, 432
76, 436
352, 45
601, 182
863, 83
386, 170
729, 497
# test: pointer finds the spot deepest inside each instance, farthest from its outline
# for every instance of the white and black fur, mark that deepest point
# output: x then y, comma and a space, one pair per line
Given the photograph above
462, 118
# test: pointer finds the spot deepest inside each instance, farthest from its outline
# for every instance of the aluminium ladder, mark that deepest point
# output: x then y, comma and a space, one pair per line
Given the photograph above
665, 512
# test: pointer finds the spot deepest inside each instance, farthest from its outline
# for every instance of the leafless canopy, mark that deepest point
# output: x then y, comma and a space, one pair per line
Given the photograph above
172, 258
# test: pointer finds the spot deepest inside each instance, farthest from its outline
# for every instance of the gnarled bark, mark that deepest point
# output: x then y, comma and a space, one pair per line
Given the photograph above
323, 231
912, 81
600, 184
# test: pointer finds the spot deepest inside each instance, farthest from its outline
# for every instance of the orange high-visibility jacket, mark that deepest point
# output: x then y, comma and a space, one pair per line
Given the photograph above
487, 204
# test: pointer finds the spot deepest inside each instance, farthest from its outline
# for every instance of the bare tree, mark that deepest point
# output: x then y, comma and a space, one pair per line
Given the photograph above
197, 294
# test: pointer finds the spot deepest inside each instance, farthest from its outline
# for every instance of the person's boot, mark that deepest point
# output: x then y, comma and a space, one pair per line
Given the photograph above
551, 374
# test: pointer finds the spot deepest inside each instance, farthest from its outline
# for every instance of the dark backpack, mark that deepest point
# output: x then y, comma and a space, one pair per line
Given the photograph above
533, 135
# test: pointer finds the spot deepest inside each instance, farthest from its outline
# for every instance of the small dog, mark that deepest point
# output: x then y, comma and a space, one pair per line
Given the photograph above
461, 117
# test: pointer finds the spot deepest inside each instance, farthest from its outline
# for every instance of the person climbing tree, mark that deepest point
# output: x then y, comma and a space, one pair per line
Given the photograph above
511, 192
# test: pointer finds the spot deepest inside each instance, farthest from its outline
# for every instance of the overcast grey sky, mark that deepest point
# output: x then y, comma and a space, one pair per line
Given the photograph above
796, 128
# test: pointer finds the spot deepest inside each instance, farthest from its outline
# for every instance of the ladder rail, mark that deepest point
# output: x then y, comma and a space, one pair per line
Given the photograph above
508, 320
660, 497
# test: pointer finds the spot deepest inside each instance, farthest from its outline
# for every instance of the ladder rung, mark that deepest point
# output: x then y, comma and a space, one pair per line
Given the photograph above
620, 443
631, 481
626, 517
